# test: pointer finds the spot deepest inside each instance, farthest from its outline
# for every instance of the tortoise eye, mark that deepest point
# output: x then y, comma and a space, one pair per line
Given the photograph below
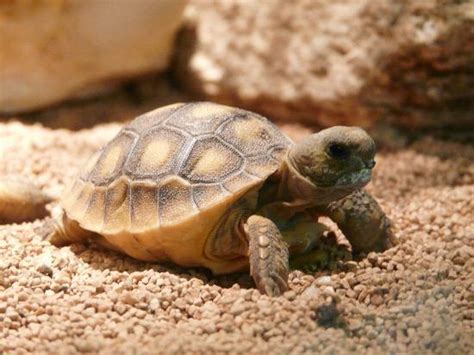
338, 151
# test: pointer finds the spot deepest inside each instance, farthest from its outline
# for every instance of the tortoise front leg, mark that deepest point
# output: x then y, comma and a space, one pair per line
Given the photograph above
268, 254
362, 221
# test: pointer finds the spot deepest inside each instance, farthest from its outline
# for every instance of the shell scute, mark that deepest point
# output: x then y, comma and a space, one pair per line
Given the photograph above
110, 164
95, 211
143, 206
202, 194
200, 118
154, 118
260, 166
79, 207
175, 201
235, 183
155, 154
251, 135
211, 160
117, 206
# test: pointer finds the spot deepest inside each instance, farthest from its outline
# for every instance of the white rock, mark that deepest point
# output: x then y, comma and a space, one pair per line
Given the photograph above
324, 280
55, 50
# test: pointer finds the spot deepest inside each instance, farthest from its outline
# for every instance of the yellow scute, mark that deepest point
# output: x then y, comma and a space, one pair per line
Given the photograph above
247, 130
208, 110
109, 163
212, 160
155, 155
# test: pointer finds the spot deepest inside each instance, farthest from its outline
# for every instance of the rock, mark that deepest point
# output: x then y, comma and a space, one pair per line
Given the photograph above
21, 200
324, 281
56, 50
238, 307
129, 298
45, 270
352, 62
328, 316
311, 292
376, 299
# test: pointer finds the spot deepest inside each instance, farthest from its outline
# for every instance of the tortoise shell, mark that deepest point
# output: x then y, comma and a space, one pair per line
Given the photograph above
172, 164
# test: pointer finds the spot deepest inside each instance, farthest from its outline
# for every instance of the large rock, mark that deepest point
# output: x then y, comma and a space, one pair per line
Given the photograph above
52, 50
408, 62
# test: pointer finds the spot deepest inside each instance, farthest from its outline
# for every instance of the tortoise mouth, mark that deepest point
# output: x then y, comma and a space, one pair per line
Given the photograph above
356, 178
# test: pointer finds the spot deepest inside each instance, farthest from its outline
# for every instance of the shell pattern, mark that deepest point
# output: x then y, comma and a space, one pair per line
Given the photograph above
171, 163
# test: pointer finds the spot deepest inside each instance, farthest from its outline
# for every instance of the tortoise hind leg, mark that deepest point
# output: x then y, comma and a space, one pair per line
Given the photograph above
64, 231
268, 255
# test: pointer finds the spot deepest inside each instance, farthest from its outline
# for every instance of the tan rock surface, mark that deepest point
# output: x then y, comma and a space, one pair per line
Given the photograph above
414, 298
407, 62
55, 50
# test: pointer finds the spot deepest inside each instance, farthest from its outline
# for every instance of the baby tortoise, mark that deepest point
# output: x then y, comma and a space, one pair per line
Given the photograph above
21, 201
202, 184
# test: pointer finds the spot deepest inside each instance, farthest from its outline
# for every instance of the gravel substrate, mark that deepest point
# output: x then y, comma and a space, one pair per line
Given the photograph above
417, 297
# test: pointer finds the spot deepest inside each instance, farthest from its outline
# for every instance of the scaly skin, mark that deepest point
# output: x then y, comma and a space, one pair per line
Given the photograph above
268, 255
362, 221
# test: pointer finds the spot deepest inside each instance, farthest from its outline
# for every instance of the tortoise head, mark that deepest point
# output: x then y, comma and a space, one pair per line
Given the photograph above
330, 164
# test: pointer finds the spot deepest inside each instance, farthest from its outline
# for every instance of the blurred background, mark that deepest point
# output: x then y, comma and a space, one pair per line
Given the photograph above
390, 66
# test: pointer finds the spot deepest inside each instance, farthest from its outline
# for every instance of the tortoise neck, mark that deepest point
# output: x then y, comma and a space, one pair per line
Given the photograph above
293, 189
278, 190
301, 191
283, 192
275, 199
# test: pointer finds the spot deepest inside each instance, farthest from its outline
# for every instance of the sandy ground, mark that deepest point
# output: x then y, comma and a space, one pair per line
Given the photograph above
417, 297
